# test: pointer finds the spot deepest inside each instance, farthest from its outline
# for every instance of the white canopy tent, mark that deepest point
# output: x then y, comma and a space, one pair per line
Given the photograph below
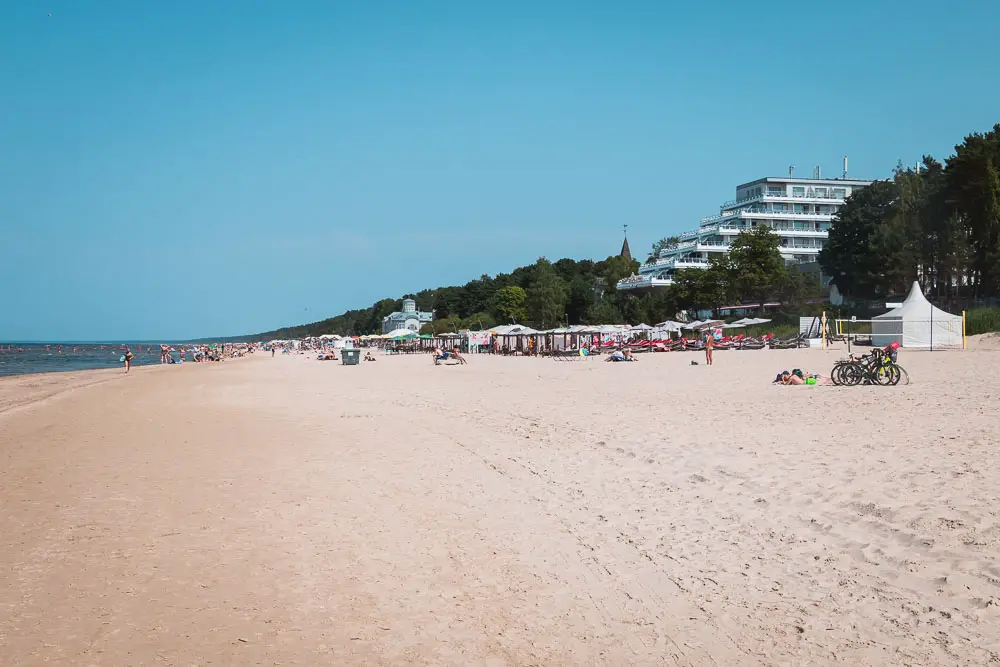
396, 333
703, 324
917, 323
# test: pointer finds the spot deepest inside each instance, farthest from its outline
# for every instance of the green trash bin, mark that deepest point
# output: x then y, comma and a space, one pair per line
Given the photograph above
350, 356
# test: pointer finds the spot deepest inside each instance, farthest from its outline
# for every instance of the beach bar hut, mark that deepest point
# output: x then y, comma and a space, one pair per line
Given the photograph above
917, 323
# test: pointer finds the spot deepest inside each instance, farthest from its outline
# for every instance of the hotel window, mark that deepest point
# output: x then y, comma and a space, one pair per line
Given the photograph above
839, 193
799, 191
820, 192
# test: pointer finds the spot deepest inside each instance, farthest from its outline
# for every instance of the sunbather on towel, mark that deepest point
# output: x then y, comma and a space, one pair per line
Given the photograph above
797, 377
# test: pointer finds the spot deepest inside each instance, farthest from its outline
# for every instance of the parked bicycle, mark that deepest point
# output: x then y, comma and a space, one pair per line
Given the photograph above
878, 367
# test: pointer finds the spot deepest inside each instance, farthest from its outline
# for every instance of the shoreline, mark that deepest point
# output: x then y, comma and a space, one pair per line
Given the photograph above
22, 391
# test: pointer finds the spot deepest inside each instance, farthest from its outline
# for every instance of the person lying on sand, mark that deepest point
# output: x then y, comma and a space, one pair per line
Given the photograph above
625, 355
369, 357
797, 377
789, 378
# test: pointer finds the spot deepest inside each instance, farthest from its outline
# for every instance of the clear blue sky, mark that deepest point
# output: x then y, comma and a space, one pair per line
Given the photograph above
181, 169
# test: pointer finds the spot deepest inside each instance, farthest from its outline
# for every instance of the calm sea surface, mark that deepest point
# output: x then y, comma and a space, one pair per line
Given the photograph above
21, 358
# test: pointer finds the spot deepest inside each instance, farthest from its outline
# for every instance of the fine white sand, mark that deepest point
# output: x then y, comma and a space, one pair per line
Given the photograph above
507, 512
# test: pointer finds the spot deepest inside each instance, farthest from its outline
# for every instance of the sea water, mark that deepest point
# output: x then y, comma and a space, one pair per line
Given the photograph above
24, 358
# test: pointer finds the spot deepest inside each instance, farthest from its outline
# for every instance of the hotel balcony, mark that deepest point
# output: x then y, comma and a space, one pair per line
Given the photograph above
643, 282
680, 262
779, 196
745, 213
690, 239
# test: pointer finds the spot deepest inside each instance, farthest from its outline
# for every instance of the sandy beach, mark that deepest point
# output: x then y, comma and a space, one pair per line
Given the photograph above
508, 512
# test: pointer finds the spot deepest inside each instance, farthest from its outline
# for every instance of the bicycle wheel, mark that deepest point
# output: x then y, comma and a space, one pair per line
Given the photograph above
851, 375
835, 374
903, 376
885, 375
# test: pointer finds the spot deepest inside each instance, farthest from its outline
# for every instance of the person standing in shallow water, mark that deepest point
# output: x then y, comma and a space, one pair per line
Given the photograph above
709, 343
128, 359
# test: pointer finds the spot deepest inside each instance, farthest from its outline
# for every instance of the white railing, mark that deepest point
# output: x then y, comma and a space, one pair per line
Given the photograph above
718, 218
737, 202
747, 211
816, 195
807, 249
641, 281
670, 261
694, 234
635, 280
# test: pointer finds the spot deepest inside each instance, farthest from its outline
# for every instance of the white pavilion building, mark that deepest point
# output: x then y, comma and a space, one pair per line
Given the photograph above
409, 318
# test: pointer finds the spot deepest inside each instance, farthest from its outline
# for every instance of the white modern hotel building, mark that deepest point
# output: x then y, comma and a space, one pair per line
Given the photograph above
799, 210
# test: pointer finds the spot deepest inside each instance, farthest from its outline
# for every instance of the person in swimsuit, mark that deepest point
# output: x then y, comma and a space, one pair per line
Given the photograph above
128, 359
709, 342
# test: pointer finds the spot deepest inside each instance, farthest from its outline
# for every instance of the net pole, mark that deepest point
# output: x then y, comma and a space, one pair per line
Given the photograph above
963, 329
823, 324
932, 327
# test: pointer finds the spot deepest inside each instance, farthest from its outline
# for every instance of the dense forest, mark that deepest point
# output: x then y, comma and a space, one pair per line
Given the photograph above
544, 294
548, 294
935, 223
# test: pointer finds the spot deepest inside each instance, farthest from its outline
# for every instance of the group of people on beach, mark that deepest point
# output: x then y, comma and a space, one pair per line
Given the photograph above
445, 355
199, 353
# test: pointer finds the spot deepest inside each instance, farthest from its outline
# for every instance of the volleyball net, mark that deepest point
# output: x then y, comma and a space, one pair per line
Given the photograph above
940, 333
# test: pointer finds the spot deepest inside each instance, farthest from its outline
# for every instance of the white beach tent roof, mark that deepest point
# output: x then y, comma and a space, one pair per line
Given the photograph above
917, 323
513, 330
669, 325
641, 327
701, 324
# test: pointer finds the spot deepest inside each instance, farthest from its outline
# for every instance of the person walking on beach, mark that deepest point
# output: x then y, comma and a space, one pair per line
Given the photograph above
128, 357
709, 343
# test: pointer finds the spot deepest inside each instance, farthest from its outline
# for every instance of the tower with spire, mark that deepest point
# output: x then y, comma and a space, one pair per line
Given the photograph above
626, 251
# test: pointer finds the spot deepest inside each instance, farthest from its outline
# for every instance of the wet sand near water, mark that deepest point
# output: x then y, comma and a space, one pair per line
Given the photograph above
507, 512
